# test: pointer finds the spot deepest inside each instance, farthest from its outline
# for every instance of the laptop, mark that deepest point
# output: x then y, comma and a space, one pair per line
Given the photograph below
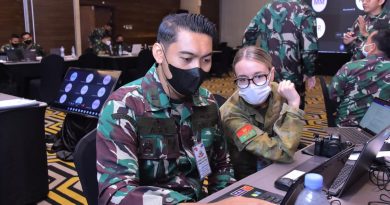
84, 91
55, 51
356, 166
14, 55
374, 120
29, 55
136, 48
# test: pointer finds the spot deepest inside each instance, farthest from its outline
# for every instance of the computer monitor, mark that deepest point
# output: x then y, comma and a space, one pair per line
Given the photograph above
84, 91
377, 117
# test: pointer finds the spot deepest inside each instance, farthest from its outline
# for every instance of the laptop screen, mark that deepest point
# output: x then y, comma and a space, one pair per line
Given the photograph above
84, 91
377, 116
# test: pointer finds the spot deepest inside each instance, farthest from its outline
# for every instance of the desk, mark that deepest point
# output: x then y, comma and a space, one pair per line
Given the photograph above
23, 170
22, 72
265, 178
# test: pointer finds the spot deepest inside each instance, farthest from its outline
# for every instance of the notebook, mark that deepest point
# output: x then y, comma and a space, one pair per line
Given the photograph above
355, 168
17, 103
374, 120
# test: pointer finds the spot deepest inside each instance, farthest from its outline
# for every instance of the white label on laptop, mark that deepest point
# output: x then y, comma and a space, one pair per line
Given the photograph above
354, 156
294, 174
383, 154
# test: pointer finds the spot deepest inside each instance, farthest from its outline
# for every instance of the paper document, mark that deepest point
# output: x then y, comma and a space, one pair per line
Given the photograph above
15, 103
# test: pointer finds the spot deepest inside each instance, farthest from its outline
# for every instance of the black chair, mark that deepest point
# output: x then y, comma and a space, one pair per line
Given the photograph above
52, 72
220, 99
89, 60
85, 161
330, 106
144, 62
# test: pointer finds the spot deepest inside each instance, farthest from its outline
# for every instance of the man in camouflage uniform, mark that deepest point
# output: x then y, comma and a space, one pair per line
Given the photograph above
376, 15
97, 34
358, 82
12, 45
287, 31
104, 47
259, 130
28, 44
149, 129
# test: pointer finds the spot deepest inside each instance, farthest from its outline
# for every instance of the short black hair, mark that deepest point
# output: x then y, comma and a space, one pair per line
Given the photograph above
382, 39
171, 24
14, 35
106, 36
25, 33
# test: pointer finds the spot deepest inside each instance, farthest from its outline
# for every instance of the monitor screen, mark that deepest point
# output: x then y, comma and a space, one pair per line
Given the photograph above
377, 117
84, 91
334, 18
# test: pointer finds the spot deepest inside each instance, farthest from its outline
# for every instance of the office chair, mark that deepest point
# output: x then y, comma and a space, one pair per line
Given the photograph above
89, 60
85, 161
144, 62
220, 99
52, 72
329, 105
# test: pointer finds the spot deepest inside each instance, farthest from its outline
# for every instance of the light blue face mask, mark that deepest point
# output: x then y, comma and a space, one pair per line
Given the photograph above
365, 53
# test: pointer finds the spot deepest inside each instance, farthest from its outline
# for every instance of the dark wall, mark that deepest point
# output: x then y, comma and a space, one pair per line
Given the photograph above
143, 15
11, 19
54, 24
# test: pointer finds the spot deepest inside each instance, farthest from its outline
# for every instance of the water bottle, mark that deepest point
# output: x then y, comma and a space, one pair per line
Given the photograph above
62, 50
120, 52
312, 193
73, 52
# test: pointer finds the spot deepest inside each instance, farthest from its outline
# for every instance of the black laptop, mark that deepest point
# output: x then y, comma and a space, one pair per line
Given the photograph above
374, 120
15, 55
84, 91
355, 168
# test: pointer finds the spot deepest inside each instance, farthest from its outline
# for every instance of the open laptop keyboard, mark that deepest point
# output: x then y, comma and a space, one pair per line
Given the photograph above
338, 183
350, 134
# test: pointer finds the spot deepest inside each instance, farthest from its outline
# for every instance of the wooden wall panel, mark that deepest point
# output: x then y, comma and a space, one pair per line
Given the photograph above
143, 15
54, 24
11, 19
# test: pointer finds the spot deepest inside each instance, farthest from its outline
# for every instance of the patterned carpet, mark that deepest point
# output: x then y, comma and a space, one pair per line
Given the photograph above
64, 184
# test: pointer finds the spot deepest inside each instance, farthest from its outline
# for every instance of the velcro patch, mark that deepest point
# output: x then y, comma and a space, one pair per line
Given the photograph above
245, 133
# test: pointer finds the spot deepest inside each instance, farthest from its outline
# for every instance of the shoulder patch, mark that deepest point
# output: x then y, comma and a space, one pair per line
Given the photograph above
245, 133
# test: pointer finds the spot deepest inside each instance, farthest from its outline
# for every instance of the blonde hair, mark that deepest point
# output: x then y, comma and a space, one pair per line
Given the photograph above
253, 53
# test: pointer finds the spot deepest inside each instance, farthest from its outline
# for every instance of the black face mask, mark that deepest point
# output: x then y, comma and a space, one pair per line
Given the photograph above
15, 45
186, 82
28, 42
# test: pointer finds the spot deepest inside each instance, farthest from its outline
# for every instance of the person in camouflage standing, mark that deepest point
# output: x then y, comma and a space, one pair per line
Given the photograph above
104, 47
98, 33
376, 15
28, 44
262, 119
287, 31
358, 82
14, 43
159, 136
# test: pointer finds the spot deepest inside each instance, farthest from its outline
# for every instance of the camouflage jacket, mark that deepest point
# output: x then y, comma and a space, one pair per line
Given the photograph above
102, 49
287, 31
34, 47
96, 36
7, 47
144, 145
355, 47
356, 84
257, 134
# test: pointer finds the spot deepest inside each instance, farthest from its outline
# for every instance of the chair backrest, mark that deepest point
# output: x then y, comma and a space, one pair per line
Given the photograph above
89, 60
220, 99
85, 161
329, 105
144, 62
52, 73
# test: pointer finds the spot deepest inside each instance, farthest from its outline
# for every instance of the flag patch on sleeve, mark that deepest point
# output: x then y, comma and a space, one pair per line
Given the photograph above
245, 133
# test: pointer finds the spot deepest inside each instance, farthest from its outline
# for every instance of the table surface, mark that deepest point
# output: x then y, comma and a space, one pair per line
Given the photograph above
4, 96
66, 59
360, 193
122, 56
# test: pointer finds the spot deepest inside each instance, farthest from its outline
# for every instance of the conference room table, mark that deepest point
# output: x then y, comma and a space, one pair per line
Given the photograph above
23, 71
362, 192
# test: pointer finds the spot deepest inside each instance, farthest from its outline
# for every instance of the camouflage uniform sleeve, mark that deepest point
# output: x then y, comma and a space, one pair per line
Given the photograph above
117, 161
40, 51
222, 175
2, 48
309, 48
354, 46
253, 30
281, 146
338, 84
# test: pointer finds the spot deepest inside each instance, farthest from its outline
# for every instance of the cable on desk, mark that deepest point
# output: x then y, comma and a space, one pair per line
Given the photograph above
380, 176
